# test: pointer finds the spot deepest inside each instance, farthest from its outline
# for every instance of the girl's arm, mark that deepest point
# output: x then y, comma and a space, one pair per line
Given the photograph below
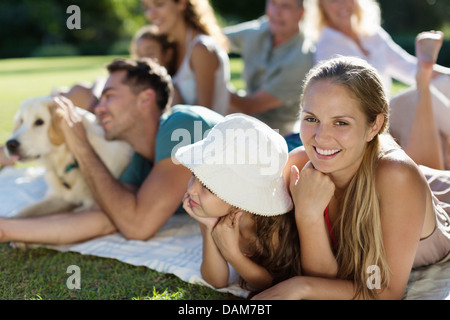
256, 276
226, 236
214, 268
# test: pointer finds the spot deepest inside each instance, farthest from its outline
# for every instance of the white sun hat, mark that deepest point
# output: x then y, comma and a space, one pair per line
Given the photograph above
241, 160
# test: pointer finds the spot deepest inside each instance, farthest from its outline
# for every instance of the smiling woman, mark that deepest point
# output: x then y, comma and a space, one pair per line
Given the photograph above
357, 187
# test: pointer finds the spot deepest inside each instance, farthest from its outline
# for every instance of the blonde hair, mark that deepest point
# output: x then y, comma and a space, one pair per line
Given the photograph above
358, 227
200, 15
366, 19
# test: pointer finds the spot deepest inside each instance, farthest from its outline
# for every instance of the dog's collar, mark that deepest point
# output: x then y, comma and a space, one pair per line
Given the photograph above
71, 166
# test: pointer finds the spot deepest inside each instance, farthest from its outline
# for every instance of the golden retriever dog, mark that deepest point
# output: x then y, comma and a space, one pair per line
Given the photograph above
38, 138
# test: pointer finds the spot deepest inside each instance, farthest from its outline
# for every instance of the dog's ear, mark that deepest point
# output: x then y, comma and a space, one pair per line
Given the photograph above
17, 125
55, 133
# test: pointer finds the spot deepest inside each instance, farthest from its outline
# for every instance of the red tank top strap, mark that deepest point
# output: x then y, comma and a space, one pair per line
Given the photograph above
330, 230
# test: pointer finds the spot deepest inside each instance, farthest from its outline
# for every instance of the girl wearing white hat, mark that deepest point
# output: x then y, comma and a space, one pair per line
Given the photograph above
239, 196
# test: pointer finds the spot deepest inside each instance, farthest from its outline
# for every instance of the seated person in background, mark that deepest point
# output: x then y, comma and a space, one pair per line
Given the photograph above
202, 66
134, 107
243, 206
358, 33
276, 60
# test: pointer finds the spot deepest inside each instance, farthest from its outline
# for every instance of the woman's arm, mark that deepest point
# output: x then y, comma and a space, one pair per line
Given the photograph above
316, 288
404, 201
204, 63
312, 192
316, 253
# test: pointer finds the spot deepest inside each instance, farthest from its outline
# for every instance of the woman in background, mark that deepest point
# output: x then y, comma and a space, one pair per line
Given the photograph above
202, 66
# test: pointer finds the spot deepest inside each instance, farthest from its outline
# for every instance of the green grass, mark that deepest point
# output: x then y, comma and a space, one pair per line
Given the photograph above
41, 274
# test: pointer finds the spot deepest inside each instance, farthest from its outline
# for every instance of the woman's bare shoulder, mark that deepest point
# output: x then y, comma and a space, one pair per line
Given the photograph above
397, 172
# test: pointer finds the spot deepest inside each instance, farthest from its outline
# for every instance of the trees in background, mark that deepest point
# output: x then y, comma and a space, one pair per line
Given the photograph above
36, 28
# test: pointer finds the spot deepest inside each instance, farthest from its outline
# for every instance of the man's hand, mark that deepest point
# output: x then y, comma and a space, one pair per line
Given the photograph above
71, 124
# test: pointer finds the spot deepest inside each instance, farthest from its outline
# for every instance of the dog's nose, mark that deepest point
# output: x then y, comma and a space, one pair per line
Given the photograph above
12, 145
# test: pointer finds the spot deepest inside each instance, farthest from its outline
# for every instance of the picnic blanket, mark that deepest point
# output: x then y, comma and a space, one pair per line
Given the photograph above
177, 247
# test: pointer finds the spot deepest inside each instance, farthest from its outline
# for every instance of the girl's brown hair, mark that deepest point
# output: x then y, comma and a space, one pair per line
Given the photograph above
277, 246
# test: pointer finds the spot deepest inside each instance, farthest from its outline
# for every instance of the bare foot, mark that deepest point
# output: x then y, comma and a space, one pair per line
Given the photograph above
428, 44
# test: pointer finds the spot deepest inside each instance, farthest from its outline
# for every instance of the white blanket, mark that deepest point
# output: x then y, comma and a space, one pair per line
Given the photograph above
177, 248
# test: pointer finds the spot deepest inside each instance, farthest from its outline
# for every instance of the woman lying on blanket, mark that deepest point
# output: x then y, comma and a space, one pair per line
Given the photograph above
364, 211
238, 194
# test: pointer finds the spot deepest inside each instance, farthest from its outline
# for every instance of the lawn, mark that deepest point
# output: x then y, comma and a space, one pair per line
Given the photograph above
41, 273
